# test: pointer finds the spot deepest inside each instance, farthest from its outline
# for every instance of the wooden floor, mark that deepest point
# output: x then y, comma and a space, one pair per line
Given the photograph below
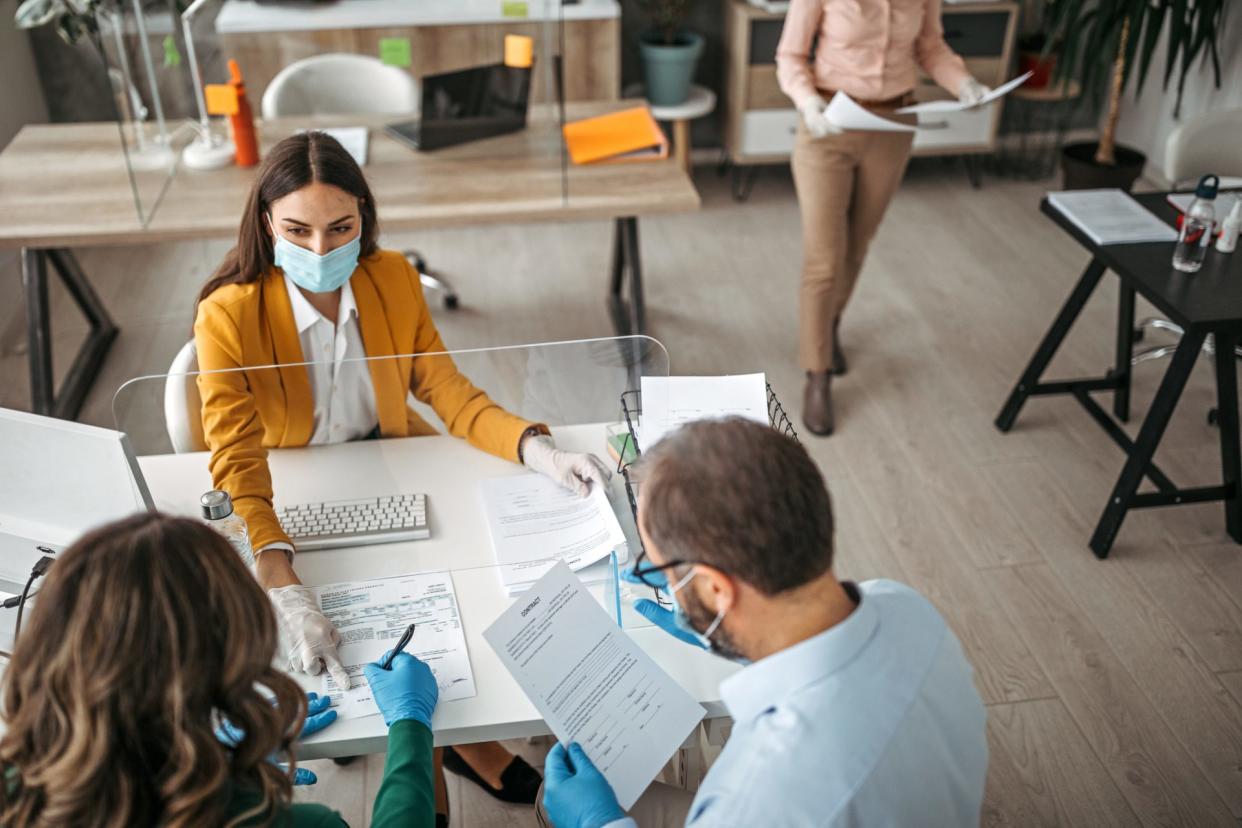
1114, 688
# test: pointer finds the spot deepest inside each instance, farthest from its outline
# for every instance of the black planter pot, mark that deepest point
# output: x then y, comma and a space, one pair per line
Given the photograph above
1082, 173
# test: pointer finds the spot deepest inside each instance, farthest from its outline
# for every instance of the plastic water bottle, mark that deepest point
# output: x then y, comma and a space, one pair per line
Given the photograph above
1197, 224
219, 514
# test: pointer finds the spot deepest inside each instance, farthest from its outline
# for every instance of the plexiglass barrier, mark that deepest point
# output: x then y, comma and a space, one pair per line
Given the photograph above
485, 397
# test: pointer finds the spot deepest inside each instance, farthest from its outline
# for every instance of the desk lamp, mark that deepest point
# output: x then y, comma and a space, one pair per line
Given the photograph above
210, 150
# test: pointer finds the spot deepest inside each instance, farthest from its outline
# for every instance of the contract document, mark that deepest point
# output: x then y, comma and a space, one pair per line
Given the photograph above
669, 402
534, 521
957, 106
592, 684
372, 615
848, 114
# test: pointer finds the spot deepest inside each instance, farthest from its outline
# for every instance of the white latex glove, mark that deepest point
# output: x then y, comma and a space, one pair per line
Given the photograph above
817, 123
971, 92
312, 638
572, 470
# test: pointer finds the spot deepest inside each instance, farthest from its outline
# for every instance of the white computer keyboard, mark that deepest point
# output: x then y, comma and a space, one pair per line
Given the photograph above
356, 522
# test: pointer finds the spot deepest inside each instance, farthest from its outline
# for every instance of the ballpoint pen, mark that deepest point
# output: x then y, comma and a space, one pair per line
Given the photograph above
405, 639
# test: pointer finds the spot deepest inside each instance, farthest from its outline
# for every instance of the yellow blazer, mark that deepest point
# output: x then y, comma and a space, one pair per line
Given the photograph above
247, 412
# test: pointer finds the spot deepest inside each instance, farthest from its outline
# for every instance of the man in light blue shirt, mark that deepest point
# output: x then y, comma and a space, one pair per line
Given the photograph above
857, 707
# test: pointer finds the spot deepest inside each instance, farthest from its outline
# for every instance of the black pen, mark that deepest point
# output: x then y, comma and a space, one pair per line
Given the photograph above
405, 639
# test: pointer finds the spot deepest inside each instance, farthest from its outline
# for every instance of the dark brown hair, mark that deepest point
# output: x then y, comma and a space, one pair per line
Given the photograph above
145, 632
741, 497
299, 160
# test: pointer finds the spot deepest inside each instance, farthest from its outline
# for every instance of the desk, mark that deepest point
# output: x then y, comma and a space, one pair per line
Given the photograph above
448, 470
65, 186
1207, 303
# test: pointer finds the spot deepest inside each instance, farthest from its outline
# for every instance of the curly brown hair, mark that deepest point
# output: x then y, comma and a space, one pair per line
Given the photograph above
146, 632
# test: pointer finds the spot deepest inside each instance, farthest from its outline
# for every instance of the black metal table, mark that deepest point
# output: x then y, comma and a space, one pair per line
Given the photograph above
1205, 304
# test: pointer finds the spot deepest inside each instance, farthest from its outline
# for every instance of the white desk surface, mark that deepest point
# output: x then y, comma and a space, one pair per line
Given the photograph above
447, 470
244, 16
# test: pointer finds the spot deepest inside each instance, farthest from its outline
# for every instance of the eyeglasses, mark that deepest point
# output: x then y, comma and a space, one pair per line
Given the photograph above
652, 575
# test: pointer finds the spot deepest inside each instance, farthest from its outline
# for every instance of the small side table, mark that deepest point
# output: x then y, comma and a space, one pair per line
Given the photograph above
701, 102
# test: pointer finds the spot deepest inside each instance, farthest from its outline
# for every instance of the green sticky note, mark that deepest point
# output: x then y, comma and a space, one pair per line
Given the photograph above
514, 8
172, 55
395, 51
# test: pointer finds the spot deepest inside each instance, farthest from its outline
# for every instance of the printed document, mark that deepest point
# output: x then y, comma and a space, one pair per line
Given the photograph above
848, 114
592, 684
957, 106
1111, 217
534, 522
372, 615
669, 402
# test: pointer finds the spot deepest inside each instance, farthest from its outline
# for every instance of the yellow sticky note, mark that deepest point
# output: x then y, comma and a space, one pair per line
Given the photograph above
221, 99
518, 51
514, 8
395, 51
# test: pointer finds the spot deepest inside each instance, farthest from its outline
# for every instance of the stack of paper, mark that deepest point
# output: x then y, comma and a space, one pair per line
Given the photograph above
535, 523
372, 615
1111, 217
669, 402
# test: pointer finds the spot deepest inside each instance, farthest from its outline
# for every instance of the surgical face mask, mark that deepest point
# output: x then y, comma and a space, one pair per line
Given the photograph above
309, 270
682, 620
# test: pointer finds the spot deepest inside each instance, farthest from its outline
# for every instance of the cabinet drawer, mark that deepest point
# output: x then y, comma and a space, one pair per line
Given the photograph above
976, 34
972, 128
769, 131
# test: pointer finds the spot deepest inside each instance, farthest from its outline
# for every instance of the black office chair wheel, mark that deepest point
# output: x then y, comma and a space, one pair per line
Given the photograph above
1140, 334
1213, 417
450, 301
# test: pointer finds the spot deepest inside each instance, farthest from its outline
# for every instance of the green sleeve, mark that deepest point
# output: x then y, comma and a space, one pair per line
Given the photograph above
407, 795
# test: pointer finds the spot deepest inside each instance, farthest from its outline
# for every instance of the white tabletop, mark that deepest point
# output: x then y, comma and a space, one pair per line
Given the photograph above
447, 470
241, 16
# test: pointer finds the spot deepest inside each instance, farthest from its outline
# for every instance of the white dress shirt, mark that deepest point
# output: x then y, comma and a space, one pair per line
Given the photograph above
343, 394
875, 722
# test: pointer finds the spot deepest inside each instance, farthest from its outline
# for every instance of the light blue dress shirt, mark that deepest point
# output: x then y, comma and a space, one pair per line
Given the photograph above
875, 722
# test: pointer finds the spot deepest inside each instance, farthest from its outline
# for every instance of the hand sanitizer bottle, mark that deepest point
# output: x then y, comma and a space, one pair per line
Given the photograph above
219, 514
1230, 228
1197, 224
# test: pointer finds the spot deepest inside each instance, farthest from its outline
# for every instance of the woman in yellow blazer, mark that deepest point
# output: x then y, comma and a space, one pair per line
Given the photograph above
307, 282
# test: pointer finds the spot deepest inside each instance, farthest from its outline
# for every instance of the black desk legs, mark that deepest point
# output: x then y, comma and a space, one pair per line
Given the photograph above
1227, 419
1029, 381
628, 318
43, 396
1125, 493
1125, 350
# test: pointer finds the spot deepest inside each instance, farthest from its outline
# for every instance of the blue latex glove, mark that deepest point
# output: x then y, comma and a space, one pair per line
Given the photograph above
575, 793
318, 716
665, 620
407, 691
658, 578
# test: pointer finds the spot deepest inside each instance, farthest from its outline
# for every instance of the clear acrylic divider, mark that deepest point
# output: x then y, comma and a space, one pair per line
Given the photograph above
575, 388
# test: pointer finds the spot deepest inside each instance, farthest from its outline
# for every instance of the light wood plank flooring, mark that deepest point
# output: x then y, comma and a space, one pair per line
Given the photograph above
1115, 688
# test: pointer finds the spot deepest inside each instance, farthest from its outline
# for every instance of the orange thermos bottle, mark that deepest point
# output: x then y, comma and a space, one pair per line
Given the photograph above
245, 142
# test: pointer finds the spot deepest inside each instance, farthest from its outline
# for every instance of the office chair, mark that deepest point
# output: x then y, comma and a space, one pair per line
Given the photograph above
1203, 144
183, 407
345, 84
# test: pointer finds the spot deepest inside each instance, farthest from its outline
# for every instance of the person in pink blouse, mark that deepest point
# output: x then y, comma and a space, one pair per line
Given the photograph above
871, 50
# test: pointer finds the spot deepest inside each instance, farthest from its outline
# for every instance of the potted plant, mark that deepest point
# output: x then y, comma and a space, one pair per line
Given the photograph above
670, 53
1108, 40
1031, 58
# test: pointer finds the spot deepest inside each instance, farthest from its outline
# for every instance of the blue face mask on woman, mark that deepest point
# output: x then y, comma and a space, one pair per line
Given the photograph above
309, 270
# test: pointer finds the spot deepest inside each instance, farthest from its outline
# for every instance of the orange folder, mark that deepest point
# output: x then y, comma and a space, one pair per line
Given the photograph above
628, 135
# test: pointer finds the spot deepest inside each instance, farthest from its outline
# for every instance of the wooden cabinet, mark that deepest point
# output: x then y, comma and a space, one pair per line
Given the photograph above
760, 122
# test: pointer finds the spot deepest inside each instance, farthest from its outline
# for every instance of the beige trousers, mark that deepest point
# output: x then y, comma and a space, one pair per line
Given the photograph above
660, 806
844, 184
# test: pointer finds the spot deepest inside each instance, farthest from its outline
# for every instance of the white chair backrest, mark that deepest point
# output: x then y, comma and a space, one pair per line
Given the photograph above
1207, 143
183, 407
341, 84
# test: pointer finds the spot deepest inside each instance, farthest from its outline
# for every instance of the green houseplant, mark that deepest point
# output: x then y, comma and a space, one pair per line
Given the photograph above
1101, 43
670, 53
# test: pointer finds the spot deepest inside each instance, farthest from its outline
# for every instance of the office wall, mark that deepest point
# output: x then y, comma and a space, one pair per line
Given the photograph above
1147, 121
23, 95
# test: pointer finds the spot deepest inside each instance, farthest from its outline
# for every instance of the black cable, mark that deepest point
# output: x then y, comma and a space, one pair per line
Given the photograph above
21, 604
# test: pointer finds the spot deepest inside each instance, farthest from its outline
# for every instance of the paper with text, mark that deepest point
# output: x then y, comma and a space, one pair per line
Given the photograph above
592, 684
372, 615
1111, 216
669, 402
957, 106
534, 521
848, 114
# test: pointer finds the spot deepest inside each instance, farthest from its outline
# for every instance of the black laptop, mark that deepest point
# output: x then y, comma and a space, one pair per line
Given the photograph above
467, 105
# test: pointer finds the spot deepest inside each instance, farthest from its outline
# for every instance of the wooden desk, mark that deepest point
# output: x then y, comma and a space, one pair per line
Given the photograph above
1203, 304
65, 186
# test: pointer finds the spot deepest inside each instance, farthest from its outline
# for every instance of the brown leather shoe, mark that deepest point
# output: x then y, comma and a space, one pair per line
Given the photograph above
817, 403
839, 366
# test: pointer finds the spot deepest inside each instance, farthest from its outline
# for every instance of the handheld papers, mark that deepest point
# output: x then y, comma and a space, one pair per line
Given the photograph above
1111, 217
669, 402
371, 615
533, 521
957, 106
592, 684
846, 113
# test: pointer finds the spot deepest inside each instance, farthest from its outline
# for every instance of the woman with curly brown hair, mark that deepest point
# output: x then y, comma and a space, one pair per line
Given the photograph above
147, 637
